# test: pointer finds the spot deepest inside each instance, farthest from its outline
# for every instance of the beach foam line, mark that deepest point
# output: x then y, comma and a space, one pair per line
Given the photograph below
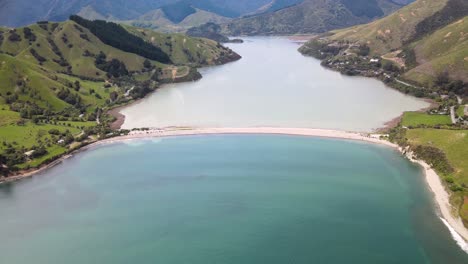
460, 241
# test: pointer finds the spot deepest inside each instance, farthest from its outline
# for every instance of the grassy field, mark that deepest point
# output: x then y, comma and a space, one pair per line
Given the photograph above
417, 119
6, 116
28, 135
454, 143
461, 110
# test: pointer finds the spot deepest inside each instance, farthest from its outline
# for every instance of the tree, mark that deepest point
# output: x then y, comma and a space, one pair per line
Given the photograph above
442, 79
114, 96
147, 64
39, 151
363, 50
77, 86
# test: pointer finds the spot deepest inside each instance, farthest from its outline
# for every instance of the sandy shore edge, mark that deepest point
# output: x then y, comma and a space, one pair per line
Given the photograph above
433, 180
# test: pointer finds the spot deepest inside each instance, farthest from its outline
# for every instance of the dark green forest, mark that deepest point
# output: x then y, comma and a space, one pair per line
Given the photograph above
116, 36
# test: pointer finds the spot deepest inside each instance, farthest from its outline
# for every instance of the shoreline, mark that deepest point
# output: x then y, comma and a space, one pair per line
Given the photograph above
433, 180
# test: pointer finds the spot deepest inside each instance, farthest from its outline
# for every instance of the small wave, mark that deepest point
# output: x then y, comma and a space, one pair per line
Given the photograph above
460, 241
137, 142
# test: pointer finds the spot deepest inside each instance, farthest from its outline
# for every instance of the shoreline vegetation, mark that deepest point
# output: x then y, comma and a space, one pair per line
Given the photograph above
442, 197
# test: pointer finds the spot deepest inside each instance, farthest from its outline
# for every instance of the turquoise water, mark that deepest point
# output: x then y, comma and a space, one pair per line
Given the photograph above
226, 199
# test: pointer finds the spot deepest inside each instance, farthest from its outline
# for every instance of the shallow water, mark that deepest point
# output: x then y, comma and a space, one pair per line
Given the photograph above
273, 85
226, 199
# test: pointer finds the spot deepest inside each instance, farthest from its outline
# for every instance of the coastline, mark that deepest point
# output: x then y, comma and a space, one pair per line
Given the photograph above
432, 179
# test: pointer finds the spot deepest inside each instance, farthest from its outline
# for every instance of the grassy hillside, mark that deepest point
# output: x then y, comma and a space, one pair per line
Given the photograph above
186, 50
311, 16
391, 32
421, 48
444, 50
57, 80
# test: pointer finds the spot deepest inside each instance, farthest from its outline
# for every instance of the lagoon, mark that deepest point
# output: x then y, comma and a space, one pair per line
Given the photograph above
272, 85
226, 199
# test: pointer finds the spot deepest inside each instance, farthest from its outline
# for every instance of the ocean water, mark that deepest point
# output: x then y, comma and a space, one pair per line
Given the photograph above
272, 85
226, 199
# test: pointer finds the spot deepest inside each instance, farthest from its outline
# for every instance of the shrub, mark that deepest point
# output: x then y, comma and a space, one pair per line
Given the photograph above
54, 131
434, 156
14, 37
36, 55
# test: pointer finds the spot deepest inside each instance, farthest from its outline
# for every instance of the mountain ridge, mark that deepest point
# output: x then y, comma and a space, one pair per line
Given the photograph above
311, 16
16, 13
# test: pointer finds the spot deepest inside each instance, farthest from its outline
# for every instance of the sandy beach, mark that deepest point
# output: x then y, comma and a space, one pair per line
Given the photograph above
433, 180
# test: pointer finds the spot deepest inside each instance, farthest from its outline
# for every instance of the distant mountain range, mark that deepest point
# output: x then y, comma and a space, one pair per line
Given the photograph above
23, 12
312, 16
240, 17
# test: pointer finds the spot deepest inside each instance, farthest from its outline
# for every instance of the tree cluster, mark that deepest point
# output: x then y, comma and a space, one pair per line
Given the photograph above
114, 67
444, 82
66, 95
29, 35
14, 37
38, 57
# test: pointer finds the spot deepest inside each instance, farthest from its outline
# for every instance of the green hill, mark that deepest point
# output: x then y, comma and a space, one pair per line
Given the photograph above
444, 50
58, 79
425, 39
403, 26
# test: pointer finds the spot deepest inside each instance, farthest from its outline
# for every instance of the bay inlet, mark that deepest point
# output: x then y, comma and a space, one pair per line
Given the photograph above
240, 198
272, 85
226, 199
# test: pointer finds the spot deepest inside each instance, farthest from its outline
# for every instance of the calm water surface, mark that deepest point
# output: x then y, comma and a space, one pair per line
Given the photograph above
273, 85
226, 199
